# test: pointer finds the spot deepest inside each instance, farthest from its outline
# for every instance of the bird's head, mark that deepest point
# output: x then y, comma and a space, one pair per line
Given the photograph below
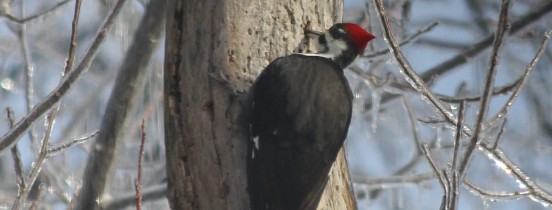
343, 42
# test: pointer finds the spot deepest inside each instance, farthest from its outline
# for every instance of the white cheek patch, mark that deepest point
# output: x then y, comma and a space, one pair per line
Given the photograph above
336, 47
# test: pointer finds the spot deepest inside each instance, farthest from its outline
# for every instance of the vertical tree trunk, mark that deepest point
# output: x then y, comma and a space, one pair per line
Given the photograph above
205, 137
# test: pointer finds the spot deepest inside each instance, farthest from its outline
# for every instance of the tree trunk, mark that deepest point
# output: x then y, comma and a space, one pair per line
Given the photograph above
205, 134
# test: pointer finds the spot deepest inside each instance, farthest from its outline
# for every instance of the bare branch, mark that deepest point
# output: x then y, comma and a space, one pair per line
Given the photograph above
497, 155
446, 200
474, 50
524, 181
127, 199
402, 87
78, 140
435, 167
407, 40
477, 48
138, 182
413, 126
32, 17
29, 71
377, 81
394, 181
521, 84
499, 135
496, 91
22, 196
21, 182
410, 75
11, 137
457, 143
501, 34
18, 166
470, 186
73, 43
458, 134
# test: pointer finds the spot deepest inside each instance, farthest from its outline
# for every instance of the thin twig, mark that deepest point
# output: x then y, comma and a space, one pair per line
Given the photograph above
85, 108
17, 164
446, 201
524, 181
78, 140
455, 185
394, 181
435, 167
496, 91
377, 81
495, 195
407, 40
479, 47
407, 88
148, 193
499, 135
38, 163
413, 126
410, 75
501, 34
444, 179
10, 116
537, 193
29, 71
457, 142
73, 43
416, 179
474, 50
521, 84
24, 20
138, 182
458, 134
68, 66
11, 137
43, 153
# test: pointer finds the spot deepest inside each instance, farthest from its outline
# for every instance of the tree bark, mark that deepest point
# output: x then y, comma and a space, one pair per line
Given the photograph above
206, 132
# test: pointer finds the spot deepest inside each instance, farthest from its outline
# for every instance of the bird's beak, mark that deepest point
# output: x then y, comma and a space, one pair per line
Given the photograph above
313, 34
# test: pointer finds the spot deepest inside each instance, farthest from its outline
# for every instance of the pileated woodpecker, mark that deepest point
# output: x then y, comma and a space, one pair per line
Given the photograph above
301, 110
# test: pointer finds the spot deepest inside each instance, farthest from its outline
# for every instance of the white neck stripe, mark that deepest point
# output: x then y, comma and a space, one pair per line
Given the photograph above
324, 55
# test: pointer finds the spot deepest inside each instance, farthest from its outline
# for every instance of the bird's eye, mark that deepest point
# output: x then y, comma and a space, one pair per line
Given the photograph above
341, 31
322, 39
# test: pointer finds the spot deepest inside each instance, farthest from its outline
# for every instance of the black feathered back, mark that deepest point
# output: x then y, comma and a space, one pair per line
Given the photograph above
301, 110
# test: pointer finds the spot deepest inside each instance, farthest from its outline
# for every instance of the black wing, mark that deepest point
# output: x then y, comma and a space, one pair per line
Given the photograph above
301, 113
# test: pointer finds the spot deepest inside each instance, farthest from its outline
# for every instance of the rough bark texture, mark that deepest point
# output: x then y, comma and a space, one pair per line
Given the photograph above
205, 134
